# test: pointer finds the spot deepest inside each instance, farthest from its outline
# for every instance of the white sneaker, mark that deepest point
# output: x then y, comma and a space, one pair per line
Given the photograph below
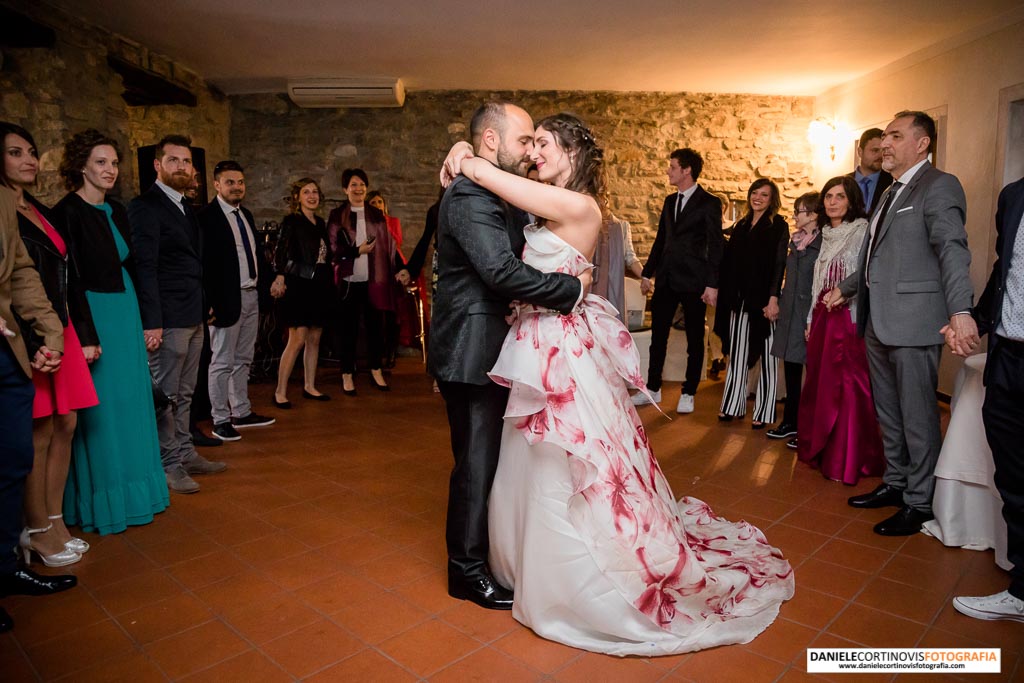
640, 398
685, 404
991, 607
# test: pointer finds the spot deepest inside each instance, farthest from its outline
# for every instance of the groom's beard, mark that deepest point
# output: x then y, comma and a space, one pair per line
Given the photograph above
510, 164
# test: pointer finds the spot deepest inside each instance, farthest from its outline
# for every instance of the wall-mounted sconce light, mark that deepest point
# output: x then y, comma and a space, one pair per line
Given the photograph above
822, 133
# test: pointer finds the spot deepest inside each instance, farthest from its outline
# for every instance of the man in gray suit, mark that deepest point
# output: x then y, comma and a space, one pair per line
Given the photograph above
913, 280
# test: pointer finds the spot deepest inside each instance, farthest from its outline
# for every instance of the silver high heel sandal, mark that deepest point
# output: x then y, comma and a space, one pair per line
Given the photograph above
61, 559
76, 544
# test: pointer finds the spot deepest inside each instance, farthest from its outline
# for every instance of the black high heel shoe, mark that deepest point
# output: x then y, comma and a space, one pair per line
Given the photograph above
315, 397
380, 387
284, 405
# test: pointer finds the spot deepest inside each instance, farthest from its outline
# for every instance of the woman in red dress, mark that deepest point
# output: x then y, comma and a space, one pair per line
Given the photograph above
58, 395
837, 429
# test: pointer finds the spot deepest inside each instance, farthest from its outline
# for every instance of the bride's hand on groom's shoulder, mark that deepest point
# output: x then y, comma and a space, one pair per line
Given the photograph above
452, 166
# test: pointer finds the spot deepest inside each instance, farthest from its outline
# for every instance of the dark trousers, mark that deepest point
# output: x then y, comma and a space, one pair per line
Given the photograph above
663, 309
475, 419
1003, 415
794, 373
16, 394
355, 305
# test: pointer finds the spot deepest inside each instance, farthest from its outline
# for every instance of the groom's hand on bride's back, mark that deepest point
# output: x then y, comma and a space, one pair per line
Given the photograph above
586, 279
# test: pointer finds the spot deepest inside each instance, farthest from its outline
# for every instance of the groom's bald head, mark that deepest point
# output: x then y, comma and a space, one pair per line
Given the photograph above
502, 133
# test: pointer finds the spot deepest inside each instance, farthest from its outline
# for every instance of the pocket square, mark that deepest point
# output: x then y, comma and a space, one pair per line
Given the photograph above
905, 209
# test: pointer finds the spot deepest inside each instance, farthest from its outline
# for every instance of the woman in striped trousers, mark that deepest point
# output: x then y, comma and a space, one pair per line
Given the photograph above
750, 281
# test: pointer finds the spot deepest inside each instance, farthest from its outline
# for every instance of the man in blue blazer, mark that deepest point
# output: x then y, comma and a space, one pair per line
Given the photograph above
1000, 313
168, 261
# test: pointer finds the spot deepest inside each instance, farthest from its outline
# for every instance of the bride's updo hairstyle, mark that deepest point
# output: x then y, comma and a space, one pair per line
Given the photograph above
587, 158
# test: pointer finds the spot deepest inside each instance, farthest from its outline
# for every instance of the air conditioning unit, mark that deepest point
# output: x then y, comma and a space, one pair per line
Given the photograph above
347, 92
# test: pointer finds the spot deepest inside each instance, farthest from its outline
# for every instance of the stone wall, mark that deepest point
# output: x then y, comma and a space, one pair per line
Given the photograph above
56, 92
742, 137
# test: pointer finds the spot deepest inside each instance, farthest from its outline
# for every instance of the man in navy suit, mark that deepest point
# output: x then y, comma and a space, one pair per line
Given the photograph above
1000, 313
168, 259
232, 265
684, 262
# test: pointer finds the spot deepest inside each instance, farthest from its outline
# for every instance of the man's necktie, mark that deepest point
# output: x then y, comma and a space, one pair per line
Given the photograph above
246, 244
865, 185
893, 189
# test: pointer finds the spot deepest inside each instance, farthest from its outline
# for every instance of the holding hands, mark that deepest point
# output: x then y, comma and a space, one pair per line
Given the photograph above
46, 360
646, 286
403, 277
277, 287
771, 311
153, 338
834, 298
961, 334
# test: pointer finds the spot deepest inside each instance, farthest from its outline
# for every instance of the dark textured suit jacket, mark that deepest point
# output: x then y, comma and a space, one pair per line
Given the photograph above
168, 261
687, 251
920, 268
479, 244
222, 271
884, 181
989, 311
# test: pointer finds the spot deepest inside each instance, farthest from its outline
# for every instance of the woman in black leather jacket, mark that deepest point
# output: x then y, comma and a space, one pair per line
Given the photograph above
304, 284
61, 394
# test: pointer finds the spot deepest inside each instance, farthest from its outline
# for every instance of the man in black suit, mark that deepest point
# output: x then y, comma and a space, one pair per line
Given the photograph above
684, 262
168, 262
479, 243
1000, 313
870, 176
232, 263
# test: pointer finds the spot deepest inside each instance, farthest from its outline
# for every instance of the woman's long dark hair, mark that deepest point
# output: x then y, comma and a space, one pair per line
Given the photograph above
853, 194
588, 175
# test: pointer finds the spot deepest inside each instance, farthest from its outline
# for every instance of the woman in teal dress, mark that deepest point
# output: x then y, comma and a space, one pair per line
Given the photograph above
116, 479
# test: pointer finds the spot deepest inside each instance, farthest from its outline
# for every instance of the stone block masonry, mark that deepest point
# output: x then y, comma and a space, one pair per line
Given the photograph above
742, 137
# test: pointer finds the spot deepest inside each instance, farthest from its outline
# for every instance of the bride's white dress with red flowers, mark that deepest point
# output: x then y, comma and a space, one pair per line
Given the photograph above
583, 524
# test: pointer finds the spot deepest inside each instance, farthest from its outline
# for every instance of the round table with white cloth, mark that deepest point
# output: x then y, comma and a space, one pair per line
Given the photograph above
967, 506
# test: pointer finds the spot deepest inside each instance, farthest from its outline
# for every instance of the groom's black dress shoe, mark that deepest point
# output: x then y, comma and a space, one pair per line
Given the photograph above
883, 496
906, 522
483, 590
27, 582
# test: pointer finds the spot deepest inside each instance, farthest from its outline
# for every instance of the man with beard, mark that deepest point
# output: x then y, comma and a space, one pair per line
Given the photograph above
231, 266
479, 243
913, 281
168, 260
872, 180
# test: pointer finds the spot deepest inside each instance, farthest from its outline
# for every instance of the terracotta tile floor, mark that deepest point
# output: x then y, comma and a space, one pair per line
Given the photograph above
319, 556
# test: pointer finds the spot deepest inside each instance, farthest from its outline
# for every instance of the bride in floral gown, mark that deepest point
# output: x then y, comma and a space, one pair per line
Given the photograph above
583, 525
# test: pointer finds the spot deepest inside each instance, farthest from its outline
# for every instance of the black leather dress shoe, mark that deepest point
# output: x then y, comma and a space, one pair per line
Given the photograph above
6, 623
483, 590
783, 431
201, 440
906, 522
27, 582
883, 496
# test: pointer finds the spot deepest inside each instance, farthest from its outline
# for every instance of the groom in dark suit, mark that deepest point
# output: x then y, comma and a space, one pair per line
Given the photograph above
479, 244
913, 280
684, 263
1000, 314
